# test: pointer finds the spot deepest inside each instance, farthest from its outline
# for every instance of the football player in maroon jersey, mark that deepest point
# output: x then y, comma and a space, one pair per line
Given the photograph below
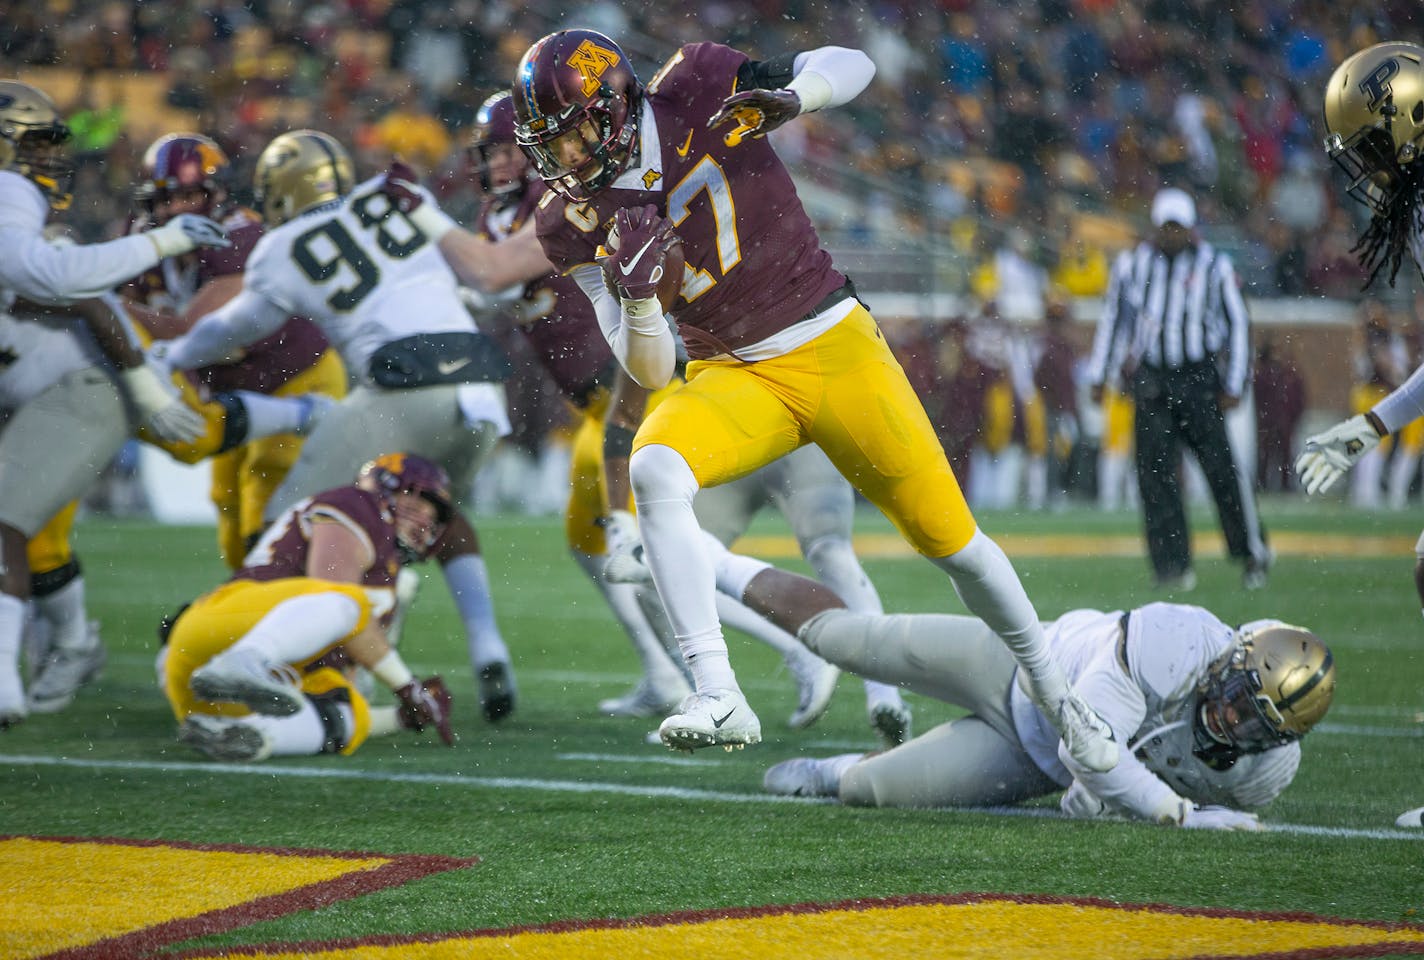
783, 354
249, 669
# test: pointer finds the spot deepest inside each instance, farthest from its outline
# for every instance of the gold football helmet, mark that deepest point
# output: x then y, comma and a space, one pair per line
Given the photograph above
301, 170
32, 138
1268, 689
1374, 118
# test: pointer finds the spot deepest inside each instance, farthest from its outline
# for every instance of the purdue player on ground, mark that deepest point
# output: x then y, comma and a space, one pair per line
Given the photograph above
1211, 714
63, 409
1374, 121
783, 354
373, 279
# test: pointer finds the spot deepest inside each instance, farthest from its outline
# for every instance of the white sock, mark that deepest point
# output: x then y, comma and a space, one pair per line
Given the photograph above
663, 486
12, 631
302, 734
301, 628
469, 583
269, 416
622, 599
732, 571
989, 587
830, 770
384, 721
64, 610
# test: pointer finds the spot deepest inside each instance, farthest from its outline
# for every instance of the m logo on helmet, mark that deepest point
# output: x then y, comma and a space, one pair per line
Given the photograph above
1376, 85
591, 60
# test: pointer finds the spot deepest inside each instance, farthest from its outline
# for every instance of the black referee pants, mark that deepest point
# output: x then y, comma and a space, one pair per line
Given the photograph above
1176, 407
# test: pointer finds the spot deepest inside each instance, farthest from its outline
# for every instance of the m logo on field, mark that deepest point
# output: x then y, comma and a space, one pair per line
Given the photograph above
591, 60
1376, 85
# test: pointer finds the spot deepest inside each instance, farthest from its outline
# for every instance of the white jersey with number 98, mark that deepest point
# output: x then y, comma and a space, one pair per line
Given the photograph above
362, 272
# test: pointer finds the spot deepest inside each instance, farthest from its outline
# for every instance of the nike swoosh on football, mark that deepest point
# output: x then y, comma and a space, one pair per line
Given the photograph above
632, 264
718, 723
448, 367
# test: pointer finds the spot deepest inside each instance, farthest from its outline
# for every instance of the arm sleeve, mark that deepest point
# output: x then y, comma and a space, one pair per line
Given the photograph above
46, 273
644, 346
1404, 405
1239, 327
245, 319
830, 76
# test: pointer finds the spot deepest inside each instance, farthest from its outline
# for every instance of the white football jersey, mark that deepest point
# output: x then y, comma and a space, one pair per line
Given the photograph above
1144, 688
362, 272
35, 353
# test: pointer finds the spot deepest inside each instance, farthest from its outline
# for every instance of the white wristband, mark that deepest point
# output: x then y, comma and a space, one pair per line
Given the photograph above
431, 221
812, 89
644, 316
145, 389
392, 671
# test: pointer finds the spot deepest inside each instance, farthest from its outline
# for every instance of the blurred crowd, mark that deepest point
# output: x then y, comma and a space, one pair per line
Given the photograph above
1024, 138
986, 121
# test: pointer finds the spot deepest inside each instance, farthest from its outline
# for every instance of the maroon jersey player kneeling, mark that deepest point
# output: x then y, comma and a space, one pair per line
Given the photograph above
782, 353
257, 667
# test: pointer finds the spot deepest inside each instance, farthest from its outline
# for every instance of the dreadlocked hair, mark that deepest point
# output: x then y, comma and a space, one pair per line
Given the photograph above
1385, 240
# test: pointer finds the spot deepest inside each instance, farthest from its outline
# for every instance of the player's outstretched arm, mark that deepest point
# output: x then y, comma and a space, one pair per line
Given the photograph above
767, 98
245, 319
484, 265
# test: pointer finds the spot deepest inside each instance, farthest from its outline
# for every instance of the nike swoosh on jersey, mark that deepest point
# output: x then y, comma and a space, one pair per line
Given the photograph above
447, 367
632, 264
686, 145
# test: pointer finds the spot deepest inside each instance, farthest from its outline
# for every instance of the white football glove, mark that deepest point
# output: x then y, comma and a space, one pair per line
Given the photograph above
1080, 803
1329, 455
625, 554
160, 408
1218, 818
187, 232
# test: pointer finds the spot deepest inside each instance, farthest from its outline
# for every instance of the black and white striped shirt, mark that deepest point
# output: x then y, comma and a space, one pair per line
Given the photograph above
1165, 313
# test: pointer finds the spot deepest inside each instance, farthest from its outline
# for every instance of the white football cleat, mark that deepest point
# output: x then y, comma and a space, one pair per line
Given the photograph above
61, 674
1412, 819
241, 676
712, 718
12, 696
1087, 736
647, 699
227, 739
891, 722
815, 682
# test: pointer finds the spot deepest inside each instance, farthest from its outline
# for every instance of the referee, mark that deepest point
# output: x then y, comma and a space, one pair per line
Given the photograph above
1174, 327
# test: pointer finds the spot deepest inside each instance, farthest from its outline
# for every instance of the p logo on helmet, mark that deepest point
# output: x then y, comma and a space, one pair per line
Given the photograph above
1376, 85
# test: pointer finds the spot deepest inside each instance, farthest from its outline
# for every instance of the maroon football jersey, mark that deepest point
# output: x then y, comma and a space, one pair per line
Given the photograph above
265, 365
555, 317
754, 263
282, 551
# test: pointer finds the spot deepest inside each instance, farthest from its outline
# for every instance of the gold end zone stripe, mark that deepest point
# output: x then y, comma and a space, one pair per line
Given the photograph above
974, 926
313, 878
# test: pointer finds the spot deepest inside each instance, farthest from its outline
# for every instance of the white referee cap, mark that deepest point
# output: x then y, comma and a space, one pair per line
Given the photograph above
1173, 206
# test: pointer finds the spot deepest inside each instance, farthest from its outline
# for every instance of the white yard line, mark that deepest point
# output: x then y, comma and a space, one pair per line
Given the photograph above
572, 786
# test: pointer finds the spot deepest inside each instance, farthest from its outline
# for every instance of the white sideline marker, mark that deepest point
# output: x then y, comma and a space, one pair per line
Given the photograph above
571, 786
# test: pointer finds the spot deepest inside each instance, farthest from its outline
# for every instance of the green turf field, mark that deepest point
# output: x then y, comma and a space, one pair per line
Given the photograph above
575, 817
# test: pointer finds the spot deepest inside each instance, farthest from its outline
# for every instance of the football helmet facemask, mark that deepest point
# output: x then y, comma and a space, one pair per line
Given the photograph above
1273, 684
494, 128
298, 171
1374, 118
182, 161
393, 473
576, 103
32, 138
